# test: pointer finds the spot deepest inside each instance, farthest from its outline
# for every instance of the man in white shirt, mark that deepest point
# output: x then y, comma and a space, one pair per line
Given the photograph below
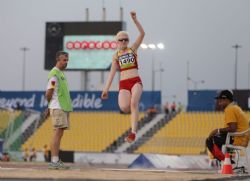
58, 97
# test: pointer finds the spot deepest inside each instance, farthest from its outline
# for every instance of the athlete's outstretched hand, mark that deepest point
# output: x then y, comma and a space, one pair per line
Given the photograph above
133, 15
104, 95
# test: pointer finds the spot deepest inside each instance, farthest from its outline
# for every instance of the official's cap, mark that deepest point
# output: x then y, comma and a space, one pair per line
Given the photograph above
225, 94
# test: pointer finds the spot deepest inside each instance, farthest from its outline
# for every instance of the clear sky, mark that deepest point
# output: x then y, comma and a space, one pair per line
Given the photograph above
201, 32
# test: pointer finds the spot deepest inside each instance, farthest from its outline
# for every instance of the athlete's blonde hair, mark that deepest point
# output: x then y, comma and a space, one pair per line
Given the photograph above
121, 33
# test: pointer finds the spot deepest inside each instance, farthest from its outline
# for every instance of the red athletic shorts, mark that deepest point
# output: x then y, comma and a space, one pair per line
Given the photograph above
129, 83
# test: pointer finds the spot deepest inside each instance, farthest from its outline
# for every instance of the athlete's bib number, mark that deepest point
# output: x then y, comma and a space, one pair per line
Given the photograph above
126, 59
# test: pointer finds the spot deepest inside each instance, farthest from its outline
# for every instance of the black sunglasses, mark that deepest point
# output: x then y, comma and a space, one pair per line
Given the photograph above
124, 39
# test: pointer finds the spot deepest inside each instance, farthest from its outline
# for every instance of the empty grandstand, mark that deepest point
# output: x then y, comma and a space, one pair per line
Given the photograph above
90, 131
184, 133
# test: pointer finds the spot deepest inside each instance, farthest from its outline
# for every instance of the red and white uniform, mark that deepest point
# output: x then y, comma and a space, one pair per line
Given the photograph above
127, 59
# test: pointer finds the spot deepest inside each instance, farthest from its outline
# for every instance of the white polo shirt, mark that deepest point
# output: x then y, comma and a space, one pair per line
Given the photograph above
53, 84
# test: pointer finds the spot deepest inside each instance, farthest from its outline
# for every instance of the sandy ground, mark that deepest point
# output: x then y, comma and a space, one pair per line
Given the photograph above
21, 170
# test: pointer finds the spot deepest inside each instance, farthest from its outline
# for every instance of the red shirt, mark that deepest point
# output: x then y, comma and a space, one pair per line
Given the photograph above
126, 59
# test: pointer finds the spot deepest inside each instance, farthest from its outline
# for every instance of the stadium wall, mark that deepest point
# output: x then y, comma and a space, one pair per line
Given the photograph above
203, 100
81, 100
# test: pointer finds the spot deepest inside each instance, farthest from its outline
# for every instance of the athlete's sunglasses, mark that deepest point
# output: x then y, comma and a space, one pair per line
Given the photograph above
123, 40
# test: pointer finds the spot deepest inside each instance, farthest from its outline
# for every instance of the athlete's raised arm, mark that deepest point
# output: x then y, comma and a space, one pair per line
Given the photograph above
139, 39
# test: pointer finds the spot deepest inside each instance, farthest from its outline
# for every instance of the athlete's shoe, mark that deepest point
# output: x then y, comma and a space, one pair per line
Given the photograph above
58, 166
130, 138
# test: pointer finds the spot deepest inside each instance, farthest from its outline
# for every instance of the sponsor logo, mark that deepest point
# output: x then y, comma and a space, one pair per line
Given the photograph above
13, 102
91, 45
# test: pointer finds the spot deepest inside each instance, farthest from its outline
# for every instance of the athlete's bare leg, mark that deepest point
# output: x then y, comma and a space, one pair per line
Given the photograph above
134, 105
124, 98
